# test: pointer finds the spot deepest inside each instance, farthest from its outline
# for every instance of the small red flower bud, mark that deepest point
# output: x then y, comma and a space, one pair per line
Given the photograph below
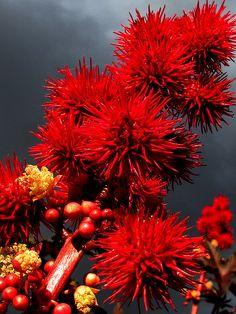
20, 302
73, 210
107, 213
49, 266
9, 293
86, 229
62, 308
87, 207
96, 214
91, 280
52, 215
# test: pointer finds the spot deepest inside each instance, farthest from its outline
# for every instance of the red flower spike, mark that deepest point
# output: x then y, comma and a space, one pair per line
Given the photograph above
134, 137
214, 222
70, 93
144, 257
221, 202
150, 59
60, 143
18, 215
208, 34
207, 100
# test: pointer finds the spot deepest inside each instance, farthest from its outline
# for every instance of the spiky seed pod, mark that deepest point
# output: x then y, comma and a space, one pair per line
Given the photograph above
145, 257
133, 136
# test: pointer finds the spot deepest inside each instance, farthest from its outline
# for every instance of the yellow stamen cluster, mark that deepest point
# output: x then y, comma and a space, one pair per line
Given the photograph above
214, 243
7, 254
195, 294
209, 285
29, 261
39, 182
84, 299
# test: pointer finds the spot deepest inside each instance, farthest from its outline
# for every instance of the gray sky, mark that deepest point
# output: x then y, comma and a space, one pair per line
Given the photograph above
38, 36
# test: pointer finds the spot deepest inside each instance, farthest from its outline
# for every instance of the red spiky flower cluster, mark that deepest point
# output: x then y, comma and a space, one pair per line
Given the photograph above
215, 222
149, 57
70, 93
145, 257
59, 150
178, 58
133, 136
209, 35
119, 140
17, 212
207, 100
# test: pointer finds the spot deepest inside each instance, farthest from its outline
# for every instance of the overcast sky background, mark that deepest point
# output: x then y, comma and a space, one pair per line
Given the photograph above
39, 36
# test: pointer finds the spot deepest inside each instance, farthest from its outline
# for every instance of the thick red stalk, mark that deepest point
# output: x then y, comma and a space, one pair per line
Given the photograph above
65, 263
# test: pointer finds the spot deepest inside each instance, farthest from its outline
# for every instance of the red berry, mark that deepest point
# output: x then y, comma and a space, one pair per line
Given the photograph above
3, 307
3, 284
49, 266
12, 280
52, 215
91, 280
20, 302
87, 219
96, 214
44, 296
62, 308
9, 293
87, 207
72, 210
86, 229
107, 213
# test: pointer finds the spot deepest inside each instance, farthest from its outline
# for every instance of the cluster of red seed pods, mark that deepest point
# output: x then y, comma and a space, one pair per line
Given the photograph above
89, 214
10, 289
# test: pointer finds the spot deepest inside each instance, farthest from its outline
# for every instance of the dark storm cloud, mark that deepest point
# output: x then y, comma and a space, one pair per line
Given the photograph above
38, 36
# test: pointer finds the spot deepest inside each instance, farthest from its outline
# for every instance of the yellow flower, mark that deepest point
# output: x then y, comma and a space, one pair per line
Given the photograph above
29, 261
195, 294
39, 182
214, 243
84, 299
7, 254
209, 285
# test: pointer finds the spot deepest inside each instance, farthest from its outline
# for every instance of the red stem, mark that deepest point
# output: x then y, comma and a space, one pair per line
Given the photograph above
195, 305
65, 263
195, 308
